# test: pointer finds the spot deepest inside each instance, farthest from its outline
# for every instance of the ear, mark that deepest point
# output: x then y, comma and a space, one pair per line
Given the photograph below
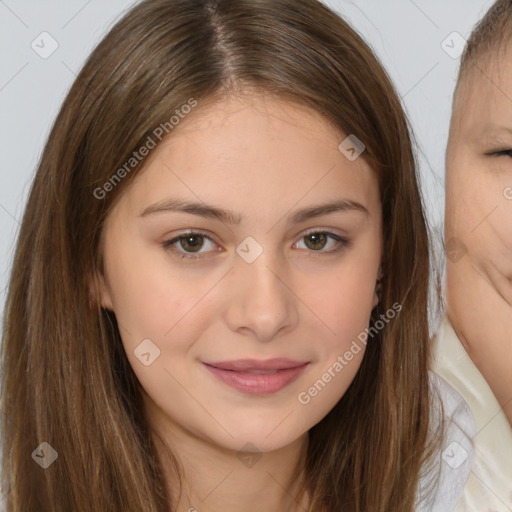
375, 299
100, 291
378, 287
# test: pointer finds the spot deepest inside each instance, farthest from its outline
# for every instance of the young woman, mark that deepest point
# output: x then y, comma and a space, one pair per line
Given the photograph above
219, 294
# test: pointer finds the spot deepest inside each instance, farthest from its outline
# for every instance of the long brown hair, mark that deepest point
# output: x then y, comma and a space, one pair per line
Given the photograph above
66, 378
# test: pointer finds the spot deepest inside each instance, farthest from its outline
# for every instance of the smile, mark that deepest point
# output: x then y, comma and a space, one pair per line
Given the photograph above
257, 381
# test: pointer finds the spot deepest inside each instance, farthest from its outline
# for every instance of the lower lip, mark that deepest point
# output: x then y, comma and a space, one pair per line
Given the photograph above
257, 384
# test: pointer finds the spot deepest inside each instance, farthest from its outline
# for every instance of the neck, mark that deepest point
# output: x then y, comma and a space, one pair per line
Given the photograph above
214, 478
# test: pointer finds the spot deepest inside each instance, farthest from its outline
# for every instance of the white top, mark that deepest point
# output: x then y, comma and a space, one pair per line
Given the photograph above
442, 488
489, 486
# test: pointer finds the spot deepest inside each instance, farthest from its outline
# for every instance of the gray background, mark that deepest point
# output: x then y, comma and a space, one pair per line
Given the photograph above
407, 35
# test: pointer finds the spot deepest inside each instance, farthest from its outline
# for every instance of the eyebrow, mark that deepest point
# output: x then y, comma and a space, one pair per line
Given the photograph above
212, 212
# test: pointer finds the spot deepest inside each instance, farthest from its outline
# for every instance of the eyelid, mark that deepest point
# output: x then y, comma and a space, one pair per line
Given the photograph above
191, 231
342, 241
320, 229
168, 244
499, 152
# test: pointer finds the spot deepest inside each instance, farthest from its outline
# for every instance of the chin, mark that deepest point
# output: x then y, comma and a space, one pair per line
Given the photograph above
258, 440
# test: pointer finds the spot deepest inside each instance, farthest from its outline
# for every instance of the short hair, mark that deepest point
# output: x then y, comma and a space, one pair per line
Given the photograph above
493, 31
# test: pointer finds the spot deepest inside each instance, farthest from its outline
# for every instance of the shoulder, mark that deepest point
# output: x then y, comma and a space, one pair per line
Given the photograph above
489, 486
445, 476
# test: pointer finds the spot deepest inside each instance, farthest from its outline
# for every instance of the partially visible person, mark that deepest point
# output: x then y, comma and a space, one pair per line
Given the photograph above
473, 349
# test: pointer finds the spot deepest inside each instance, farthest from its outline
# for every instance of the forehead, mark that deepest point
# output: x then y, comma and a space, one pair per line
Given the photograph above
254, 152
484, 96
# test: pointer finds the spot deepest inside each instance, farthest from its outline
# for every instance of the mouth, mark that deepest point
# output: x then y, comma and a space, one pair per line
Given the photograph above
256, 377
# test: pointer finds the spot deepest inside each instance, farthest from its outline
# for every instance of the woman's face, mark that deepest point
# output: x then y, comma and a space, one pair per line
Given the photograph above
248, 236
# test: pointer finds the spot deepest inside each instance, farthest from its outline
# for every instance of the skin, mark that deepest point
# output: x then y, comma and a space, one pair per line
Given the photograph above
479, 216
263, 159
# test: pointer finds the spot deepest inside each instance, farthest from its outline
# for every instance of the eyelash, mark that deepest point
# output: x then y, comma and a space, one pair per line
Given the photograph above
342, 243
503, 152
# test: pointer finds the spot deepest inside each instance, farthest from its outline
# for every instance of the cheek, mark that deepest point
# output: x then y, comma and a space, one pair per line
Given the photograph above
184, 315
162, 317
344, 303
482, 219
154, 299
479, 217
343, 300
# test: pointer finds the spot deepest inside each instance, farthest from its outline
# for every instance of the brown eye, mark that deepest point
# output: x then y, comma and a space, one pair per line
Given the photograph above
323, 242
191, 243
188, 245
316, 241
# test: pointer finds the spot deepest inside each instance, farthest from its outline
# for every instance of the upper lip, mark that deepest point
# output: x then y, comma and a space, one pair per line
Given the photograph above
255, 364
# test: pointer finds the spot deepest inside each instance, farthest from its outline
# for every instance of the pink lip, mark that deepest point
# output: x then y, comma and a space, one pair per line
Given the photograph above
237, 374
241, 365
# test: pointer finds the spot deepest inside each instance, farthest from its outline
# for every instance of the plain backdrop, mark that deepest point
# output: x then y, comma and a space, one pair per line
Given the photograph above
418, 41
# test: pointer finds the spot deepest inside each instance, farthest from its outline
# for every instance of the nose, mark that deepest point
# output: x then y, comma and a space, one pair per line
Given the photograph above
261, 302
